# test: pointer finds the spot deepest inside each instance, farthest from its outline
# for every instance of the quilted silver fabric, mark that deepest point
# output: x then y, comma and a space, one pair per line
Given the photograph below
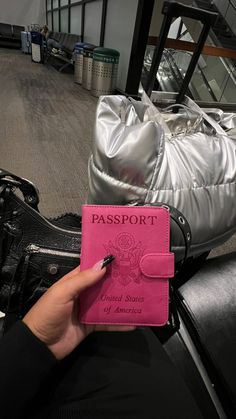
184, 159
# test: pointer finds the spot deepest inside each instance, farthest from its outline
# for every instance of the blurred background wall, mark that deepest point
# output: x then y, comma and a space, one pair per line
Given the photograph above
22, 12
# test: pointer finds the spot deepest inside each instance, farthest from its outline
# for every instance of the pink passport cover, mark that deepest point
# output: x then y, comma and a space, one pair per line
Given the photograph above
135, 288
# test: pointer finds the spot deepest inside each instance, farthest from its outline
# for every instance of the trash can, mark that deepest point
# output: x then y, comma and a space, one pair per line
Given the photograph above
78, 56
104, 73
87, 65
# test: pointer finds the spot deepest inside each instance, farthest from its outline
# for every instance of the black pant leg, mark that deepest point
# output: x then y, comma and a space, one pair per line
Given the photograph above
121, 375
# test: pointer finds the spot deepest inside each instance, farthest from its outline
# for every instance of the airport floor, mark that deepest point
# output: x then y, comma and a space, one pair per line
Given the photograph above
46, 130
46, 124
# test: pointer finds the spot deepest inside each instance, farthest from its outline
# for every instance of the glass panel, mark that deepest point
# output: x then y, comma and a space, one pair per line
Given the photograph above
219, 78
64, 2
49, 15
174, 28
231, 16
48, 4
56, 21
216, 73
227, 10
222, 6
75, 19
64, 20
55, 4
214, 78
229, 91
92, 22
224, 30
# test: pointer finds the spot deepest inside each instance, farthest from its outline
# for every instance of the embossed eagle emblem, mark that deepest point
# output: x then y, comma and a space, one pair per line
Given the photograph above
125, 267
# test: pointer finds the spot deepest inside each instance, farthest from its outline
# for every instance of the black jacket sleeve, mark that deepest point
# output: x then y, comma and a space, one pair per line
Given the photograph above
25, 362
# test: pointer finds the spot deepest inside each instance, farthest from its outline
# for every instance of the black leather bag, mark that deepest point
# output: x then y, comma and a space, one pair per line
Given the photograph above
34, 251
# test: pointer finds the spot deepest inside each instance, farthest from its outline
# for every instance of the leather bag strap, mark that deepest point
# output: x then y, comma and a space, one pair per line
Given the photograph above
29, 191
183, 224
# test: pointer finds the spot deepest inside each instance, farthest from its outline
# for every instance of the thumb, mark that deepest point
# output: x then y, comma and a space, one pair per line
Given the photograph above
70, 288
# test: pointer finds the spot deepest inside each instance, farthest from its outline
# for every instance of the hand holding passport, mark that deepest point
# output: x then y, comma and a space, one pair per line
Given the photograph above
135, 288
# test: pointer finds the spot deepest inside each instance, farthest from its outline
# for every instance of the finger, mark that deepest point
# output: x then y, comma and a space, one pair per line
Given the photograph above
70, 287
114, 328
70, 274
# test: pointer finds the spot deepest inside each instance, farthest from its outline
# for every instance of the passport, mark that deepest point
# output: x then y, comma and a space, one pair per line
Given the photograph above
135, 288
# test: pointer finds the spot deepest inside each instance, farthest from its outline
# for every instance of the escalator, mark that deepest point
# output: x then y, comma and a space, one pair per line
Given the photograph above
171, 74
221, 31
214, 77
169, 77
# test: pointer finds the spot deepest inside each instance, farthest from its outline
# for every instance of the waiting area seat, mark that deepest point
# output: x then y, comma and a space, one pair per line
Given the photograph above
203, 346
67, 41
207, 303
10, 35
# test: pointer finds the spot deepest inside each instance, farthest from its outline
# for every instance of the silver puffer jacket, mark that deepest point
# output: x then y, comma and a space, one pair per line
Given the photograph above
186, 159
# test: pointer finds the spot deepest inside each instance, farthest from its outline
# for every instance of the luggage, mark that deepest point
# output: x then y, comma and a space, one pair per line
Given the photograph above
26, 42
145, 155
35, 27
203, 349
37, 47
58, 246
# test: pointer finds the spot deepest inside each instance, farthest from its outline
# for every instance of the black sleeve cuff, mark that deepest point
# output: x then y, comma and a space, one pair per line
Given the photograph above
25, 361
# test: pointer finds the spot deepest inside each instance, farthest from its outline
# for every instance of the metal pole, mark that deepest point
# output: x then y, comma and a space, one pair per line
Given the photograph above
158, 54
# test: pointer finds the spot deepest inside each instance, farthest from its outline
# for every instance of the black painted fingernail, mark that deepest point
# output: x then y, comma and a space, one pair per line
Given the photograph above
107, 260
